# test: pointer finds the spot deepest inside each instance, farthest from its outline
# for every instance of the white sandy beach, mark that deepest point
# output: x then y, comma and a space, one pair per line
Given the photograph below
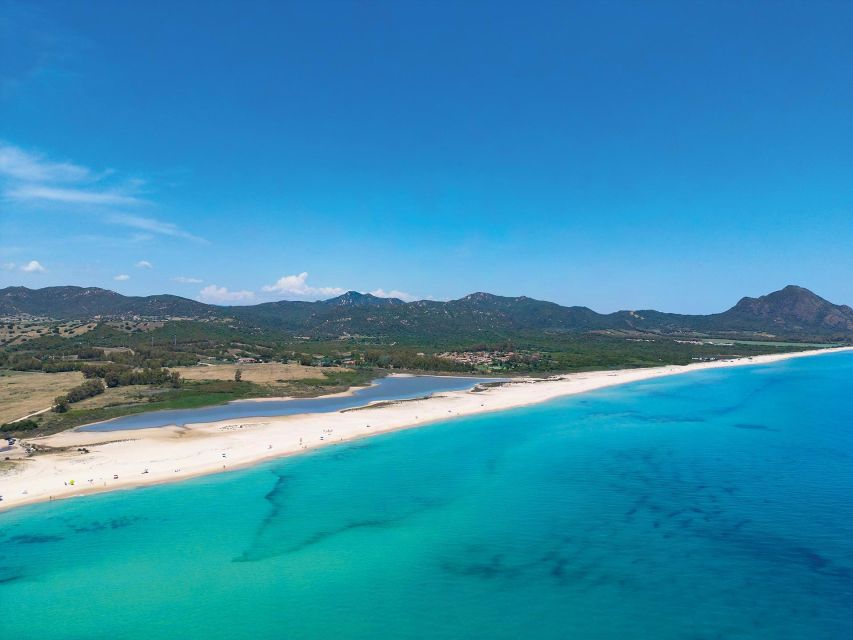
134, 458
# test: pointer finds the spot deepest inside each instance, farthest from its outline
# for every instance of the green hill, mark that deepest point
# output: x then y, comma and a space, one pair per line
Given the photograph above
793, 312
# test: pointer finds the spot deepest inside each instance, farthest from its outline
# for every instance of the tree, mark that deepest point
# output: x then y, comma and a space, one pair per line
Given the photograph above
238, 375
20, 425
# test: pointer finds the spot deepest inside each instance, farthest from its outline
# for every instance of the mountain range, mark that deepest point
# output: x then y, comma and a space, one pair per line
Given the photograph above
792, 312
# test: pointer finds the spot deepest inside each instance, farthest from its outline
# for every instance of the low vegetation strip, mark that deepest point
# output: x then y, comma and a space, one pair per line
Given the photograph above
88, 389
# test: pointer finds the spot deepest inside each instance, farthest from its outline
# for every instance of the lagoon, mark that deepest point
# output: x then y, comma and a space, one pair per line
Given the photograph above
389, 388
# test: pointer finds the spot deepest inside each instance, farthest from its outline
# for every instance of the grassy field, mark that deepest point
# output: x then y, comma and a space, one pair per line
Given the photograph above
25, 392
259, 373
193, 394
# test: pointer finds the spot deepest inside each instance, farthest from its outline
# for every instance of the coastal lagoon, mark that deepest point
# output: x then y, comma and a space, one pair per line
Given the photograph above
389, 388
715, 504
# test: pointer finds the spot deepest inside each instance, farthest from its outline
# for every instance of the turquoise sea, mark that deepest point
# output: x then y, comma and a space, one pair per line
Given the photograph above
716, 504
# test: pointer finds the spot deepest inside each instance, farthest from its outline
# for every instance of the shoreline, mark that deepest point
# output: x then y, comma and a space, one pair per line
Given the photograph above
159, 455
351, 391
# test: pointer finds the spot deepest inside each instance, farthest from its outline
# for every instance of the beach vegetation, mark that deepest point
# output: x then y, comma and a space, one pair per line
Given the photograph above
88, 389
19, 426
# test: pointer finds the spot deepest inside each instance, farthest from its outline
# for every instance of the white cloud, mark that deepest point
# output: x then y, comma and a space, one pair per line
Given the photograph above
153, 225
28, 179
30, 167
122, 277
186, 280
7, 266
297, 285
144, 264
394, 293
212, 293
33, 266
70, 196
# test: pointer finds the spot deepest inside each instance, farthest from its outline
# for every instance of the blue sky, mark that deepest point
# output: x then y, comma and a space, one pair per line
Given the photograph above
617, 155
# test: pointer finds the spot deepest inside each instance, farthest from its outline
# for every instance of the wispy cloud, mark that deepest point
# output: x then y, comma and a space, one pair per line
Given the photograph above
7, 266
121, 277
186, 280
30, 192
297, 285
29, 179
31, 167
212, 293
152, 225
144, 264
33, 266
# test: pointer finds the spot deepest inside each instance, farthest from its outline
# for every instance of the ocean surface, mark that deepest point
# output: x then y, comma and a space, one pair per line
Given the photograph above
716, 504
388, 388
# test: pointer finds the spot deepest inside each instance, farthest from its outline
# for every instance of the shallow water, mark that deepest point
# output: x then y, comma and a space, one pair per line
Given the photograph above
383, 389
716, 504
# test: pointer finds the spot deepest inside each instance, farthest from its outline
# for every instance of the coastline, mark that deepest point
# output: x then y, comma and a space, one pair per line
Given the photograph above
170, 454
347, 393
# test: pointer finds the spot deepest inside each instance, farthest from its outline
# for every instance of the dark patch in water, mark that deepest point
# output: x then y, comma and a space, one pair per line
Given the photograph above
34, 539
754, 427
98, 525
747, 399
568, 562
347, 451
653, 484
491, 569
254, 555
278, 488
8, 574
779, 551
740, 523
271, 541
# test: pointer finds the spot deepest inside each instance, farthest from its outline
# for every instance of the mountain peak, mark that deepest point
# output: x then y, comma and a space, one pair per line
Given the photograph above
795, 305
357, 299
791, 294
479, 296
795, 290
